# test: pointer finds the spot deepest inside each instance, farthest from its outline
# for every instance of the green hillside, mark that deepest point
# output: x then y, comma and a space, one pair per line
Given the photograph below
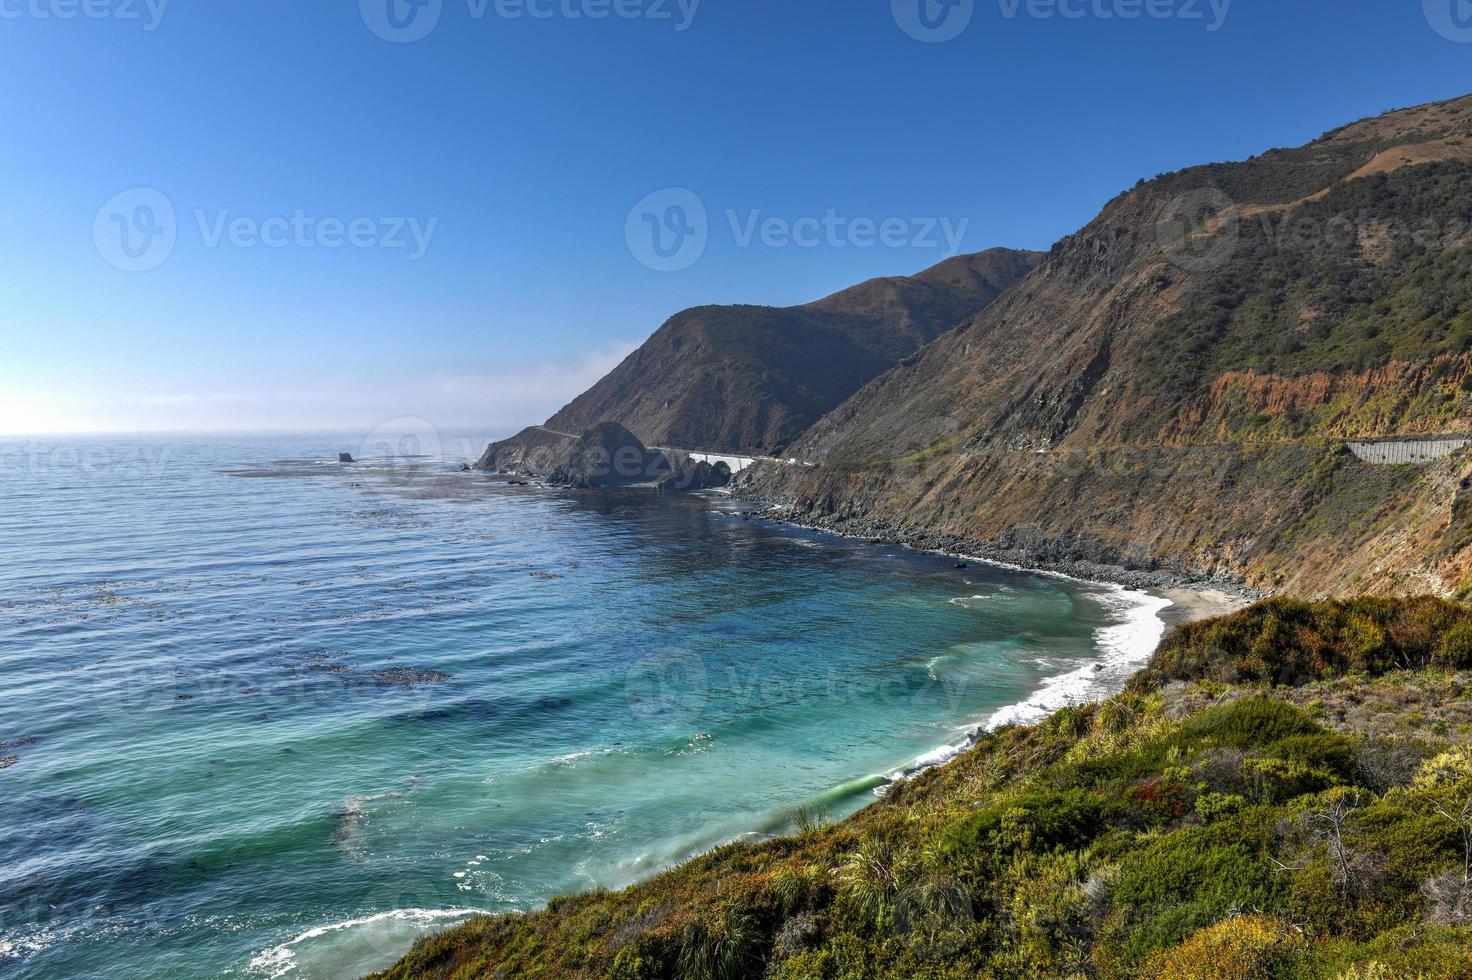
1211, 822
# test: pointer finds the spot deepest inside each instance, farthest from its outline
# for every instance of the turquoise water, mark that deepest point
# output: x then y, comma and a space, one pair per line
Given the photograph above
267, 715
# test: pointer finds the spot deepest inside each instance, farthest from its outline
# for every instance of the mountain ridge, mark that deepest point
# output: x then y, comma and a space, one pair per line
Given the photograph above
1170, 388
749, 379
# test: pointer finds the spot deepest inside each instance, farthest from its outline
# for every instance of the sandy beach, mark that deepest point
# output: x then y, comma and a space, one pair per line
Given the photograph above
1193, 605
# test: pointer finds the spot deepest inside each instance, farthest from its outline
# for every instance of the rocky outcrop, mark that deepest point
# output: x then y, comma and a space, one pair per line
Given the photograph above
607, 455
690, 475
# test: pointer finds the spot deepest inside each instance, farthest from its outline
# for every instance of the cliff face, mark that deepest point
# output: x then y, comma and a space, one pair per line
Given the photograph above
750, 379
1172, 385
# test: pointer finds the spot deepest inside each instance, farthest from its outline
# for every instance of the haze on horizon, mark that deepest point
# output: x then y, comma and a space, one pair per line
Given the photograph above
333, 224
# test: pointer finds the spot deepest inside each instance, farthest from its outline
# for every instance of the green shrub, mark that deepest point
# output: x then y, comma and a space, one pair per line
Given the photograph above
1456, 645
1280, 780
1248, 723
1285, 641
1038, 823
1411, 951
1250, 947
1328, 751
1211, 807
1192, 878
723, 950
1450, 768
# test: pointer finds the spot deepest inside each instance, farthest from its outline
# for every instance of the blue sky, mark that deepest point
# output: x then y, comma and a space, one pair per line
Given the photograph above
517, 146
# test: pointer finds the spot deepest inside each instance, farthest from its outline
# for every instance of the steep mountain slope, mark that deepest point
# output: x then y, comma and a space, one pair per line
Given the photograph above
750, 379
1172, 385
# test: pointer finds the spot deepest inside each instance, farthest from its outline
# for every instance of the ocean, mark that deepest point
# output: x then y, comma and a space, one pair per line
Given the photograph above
266, 714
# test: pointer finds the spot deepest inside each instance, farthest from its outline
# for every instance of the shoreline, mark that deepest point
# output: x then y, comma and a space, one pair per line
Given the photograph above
1191, 605
1162, 580
1177, 601
1162, 605
1191, 599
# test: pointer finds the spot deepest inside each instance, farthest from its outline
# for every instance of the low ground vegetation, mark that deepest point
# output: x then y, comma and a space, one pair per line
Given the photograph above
1286, 792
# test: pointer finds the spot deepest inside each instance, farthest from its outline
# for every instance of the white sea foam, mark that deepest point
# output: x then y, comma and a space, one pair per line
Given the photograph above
385, 934
1124, 647
571, 758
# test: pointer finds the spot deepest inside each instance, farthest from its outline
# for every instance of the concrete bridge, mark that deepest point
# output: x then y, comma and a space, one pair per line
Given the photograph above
736, 463
1408, 452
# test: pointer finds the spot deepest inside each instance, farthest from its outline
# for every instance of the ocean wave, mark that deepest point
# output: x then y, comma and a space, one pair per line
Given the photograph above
1000, 593
1124, 647
389, 930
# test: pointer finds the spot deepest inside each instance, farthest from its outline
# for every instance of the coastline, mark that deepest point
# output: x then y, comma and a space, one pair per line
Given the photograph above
1143, 615
1054, 561
1155, 604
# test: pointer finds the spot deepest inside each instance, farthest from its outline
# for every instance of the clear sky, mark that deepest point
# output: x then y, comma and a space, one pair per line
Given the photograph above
341, 224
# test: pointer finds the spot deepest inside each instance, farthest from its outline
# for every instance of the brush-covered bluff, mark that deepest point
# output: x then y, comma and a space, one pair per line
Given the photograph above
1283, 793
